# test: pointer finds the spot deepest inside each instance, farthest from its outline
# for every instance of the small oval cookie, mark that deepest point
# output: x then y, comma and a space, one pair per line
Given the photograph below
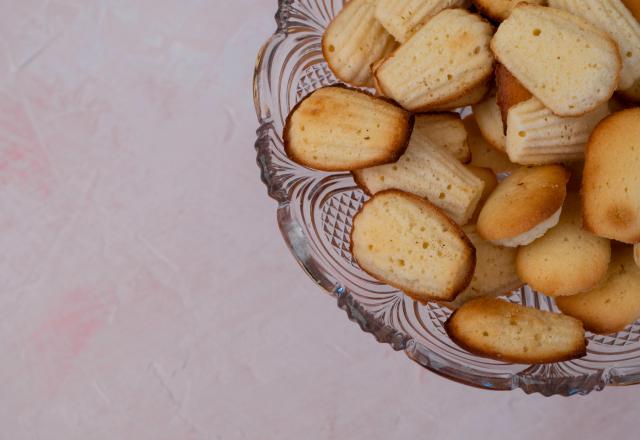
444, 60
340, 129
563, 60
509, 332
567, 260
613, 305
611, 180
524, 205
616, 20
407, 242
353, 41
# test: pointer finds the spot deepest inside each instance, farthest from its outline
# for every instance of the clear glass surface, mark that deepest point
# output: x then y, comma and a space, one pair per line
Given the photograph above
314, 213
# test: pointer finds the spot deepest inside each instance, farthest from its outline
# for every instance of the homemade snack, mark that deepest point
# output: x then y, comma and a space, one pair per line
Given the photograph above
567, 260
636, 253
409, 243
490, 182
401, 18
482, 153
616, 20
495, 272
489, 121
445, 130
563, 60
509, 332
429, 171
339, 129
524, 205
444, 60
354, 40
611, 178
510, 92
613, 305
500, 10
535, 136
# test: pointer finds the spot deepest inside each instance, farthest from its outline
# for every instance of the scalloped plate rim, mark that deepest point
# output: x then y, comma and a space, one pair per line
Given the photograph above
597, 379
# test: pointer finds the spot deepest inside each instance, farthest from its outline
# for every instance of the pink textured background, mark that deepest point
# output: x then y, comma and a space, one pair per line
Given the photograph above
145, 292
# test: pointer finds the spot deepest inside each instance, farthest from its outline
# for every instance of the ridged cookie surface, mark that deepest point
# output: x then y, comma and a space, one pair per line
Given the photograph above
446, 130
611, 178
401, 18
616, 20
563, 60
445, 59
429, 171
535, 136
407, 242
524, 205
340, 129
567, 260
613, 305
509, 332
354, 40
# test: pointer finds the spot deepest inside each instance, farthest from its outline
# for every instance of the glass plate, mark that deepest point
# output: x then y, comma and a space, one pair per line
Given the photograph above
315, 210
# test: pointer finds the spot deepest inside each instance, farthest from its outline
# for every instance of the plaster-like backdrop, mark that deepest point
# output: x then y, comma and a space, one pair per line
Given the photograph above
145, 292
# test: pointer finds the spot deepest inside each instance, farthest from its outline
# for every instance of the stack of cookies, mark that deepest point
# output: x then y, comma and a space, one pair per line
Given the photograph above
539, 185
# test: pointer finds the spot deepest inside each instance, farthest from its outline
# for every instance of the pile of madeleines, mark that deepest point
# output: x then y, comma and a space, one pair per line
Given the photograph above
539, 185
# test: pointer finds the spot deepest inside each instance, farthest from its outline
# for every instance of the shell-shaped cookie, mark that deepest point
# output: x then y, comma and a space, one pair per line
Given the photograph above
567, 260
611, 182
524, 205
615, 303
505, 331
354, 40
562, 59
407, 242
616, 20
340, 129
444, 60
429, 171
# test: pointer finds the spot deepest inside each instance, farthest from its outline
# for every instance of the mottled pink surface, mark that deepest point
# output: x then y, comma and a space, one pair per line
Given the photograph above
145, 292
